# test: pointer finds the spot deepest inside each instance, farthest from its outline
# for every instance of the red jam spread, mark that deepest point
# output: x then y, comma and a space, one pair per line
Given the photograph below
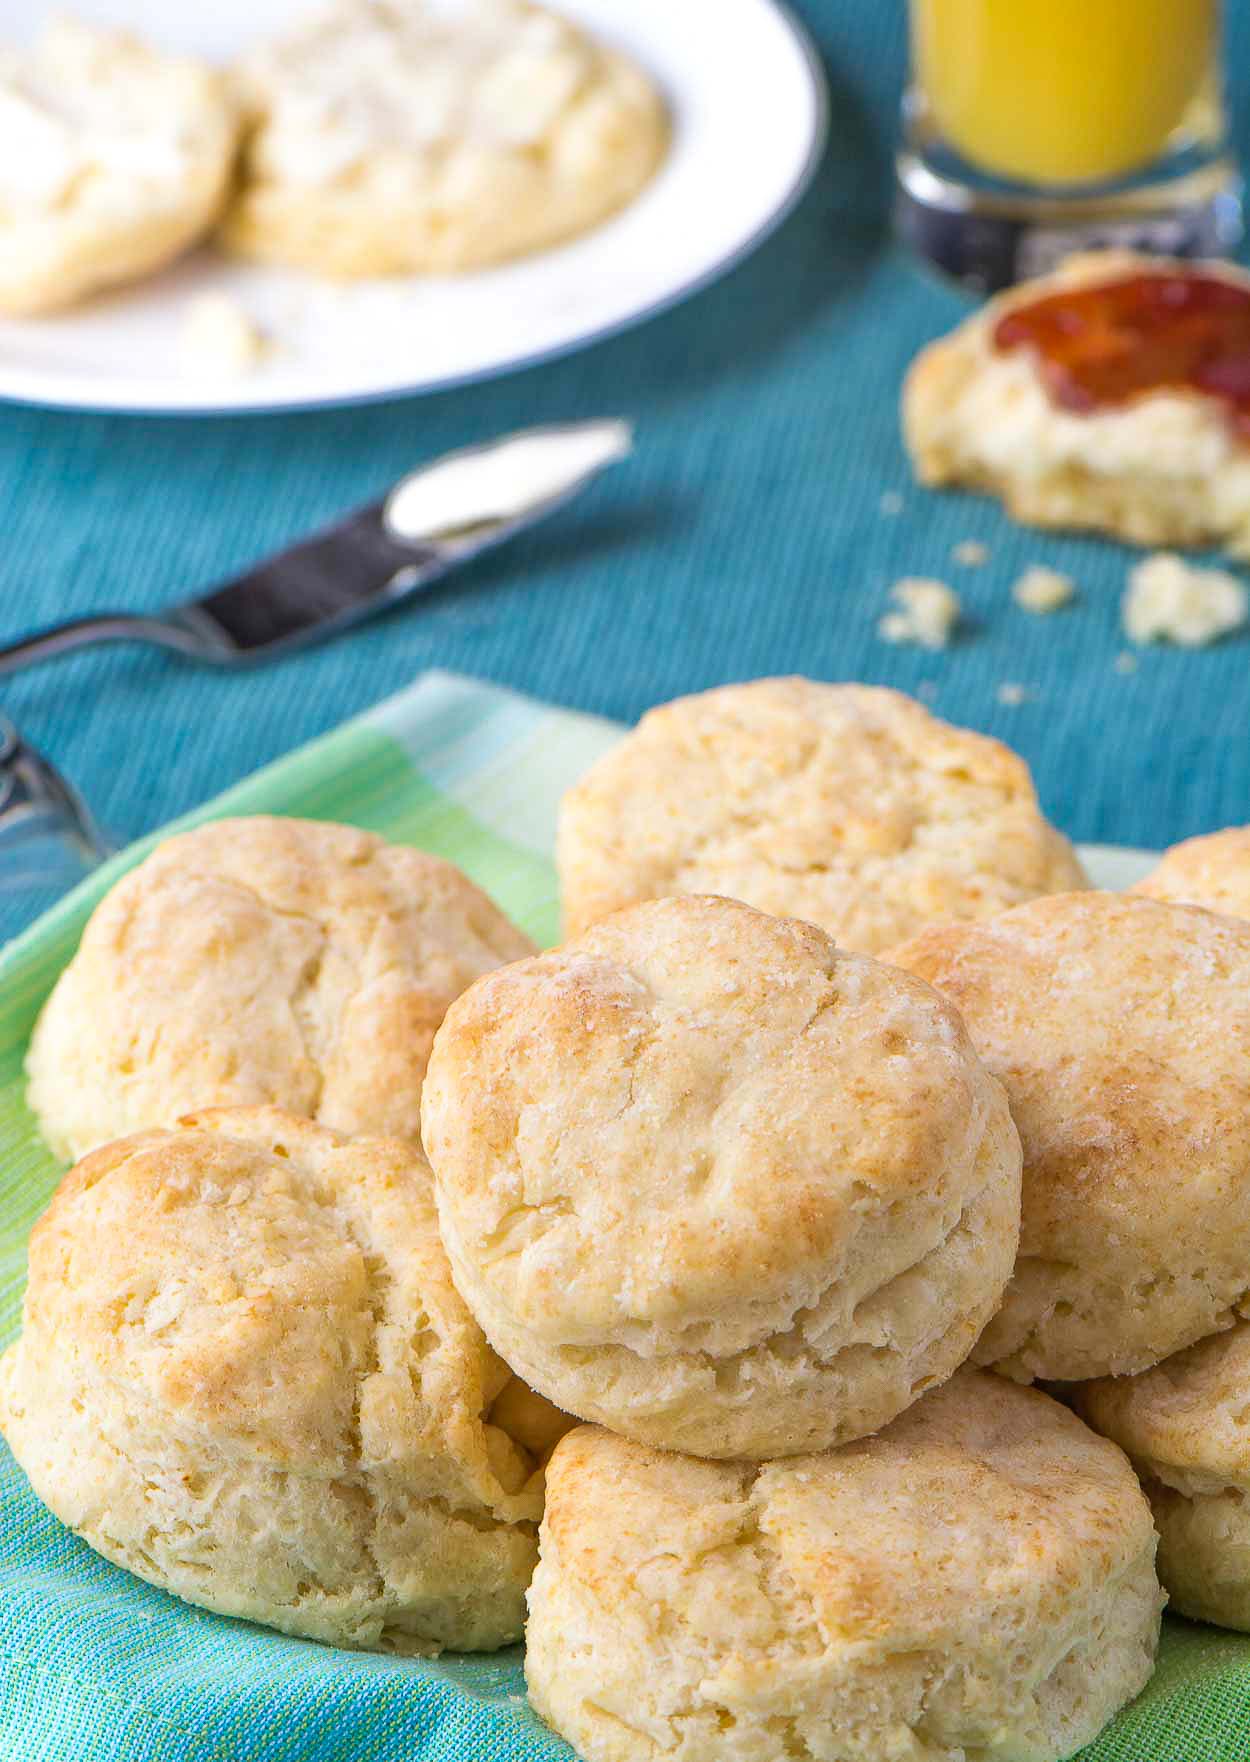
1109, 342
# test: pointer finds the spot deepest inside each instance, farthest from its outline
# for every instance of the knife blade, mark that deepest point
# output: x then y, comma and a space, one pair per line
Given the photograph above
431, 522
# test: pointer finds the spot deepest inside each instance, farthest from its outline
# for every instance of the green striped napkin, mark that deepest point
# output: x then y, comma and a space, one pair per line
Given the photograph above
95, 1665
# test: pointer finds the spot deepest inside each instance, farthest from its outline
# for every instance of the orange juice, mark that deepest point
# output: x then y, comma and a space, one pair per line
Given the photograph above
1062, 92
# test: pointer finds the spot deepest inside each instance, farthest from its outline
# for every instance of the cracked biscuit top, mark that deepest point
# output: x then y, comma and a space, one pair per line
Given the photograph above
292, 962
246, 1376
708, 1180
975, 1580
1120, 1028
848, 805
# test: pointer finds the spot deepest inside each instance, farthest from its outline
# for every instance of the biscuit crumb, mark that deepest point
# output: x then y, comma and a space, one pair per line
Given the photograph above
219, 335
1168, 600
930, 612
1125, 662
1041, 589
971, 553
891, 503
1013, 695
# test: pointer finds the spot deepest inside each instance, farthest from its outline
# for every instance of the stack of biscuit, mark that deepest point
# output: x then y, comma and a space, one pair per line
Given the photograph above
846, 1112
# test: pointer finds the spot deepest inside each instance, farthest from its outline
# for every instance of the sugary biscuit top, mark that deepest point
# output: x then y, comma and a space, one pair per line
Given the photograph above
419, 78
1213, 871
668, 1134
848, 805
1120, 1028
982, 1496
86, 114
257, 1284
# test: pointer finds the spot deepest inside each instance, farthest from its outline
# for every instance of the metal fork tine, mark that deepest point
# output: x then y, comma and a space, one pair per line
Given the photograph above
36, 801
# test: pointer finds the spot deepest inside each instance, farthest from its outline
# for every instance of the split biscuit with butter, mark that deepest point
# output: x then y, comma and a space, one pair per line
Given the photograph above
1120, 1029
1212, 871
847, 805
975, 1581
114, 158
706, 1180
1185, 1424
1165, 466
245, 1375
388, 137
261, 960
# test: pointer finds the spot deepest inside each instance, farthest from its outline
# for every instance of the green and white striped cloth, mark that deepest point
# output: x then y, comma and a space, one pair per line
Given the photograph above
95, 1665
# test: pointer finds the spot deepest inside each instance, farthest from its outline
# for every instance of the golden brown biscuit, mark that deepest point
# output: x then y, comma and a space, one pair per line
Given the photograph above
1120, 1027
976, 1580
390, 138
245, 1375
847, 805
1213, 871
706, 1180
1186, 1426
261, 960
113, 159
1166, 469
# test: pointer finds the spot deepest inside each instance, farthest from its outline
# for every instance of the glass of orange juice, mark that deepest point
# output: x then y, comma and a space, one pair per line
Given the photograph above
1037, 127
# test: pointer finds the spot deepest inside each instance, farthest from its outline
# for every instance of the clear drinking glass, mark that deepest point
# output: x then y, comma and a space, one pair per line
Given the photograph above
1033, 128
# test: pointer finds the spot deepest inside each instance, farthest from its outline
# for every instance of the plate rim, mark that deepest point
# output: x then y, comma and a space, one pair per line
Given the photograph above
12, 392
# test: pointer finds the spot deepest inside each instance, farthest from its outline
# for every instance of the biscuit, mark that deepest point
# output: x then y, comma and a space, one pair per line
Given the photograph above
390, 137
1186, 1426
977, 1580
261, 960
710, 1182
1212, 871
113, 159
1120, 1028
847, 805
1168, 468
245, 1375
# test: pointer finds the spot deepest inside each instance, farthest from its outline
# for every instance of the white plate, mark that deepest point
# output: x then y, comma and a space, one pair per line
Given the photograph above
1116, 866
748, 105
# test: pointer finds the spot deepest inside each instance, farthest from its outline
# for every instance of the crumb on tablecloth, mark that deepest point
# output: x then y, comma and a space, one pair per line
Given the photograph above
927, 616
1168, 600
1041, 589
1013, 694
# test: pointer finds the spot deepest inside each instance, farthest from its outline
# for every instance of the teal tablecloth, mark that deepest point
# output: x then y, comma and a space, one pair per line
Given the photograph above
744, 538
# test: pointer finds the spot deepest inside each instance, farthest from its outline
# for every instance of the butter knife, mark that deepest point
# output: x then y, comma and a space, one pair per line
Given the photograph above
439, 517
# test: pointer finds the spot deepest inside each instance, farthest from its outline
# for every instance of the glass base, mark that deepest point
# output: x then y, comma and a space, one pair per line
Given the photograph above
991, 236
